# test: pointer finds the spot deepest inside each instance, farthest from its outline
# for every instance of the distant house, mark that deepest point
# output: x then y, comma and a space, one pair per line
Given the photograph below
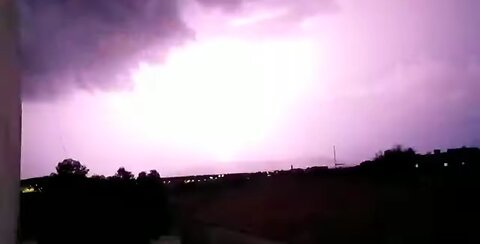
450, 159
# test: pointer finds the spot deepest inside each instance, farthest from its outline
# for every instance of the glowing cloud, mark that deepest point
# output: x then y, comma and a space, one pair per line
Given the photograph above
220, 96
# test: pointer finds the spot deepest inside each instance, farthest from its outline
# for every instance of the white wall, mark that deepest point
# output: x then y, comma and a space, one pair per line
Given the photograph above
10, 125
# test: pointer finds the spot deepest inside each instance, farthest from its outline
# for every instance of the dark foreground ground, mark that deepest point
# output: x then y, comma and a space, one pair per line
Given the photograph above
409, 200
346, 206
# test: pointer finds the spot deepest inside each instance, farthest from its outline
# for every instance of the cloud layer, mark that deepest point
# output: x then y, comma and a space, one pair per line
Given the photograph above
89, 43
92, 44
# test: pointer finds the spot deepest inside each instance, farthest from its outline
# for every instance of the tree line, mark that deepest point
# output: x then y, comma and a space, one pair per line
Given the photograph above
74, 208
73, 168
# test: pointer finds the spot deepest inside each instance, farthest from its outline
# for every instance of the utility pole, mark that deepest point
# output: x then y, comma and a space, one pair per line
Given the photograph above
335, 158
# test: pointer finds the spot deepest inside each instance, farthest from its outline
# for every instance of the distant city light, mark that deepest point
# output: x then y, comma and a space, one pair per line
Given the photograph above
28, 189
463, 163
445, 164
416, 165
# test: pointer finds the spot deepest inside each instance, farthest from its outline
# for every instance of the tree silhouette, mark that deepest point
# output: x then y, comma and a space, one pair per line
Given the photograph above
71, 167
124, 174
154, 175
395, 158
98, 177
142, 176
397, 153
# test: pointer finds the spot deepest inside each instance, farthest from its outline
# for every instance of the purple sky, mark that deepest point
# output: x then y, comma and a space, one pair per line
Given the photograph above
205, 86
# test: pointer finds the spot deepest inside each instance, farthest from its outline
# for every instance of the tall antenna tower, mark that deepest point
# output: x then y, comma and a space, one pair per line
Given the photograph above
335, 158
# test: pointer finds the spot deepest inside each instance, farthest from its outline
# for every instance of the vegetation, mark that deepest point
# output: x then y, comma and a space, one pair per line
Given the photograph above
72, 208
70, 167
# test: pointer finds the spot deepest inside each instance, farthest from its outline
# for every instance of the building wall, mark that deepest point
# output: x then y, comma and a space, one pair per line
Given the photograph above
10, 125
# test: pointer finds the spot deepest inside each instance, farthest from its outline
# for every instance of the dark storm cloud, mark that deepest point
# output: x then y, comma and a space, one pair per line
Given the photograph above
88, 43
